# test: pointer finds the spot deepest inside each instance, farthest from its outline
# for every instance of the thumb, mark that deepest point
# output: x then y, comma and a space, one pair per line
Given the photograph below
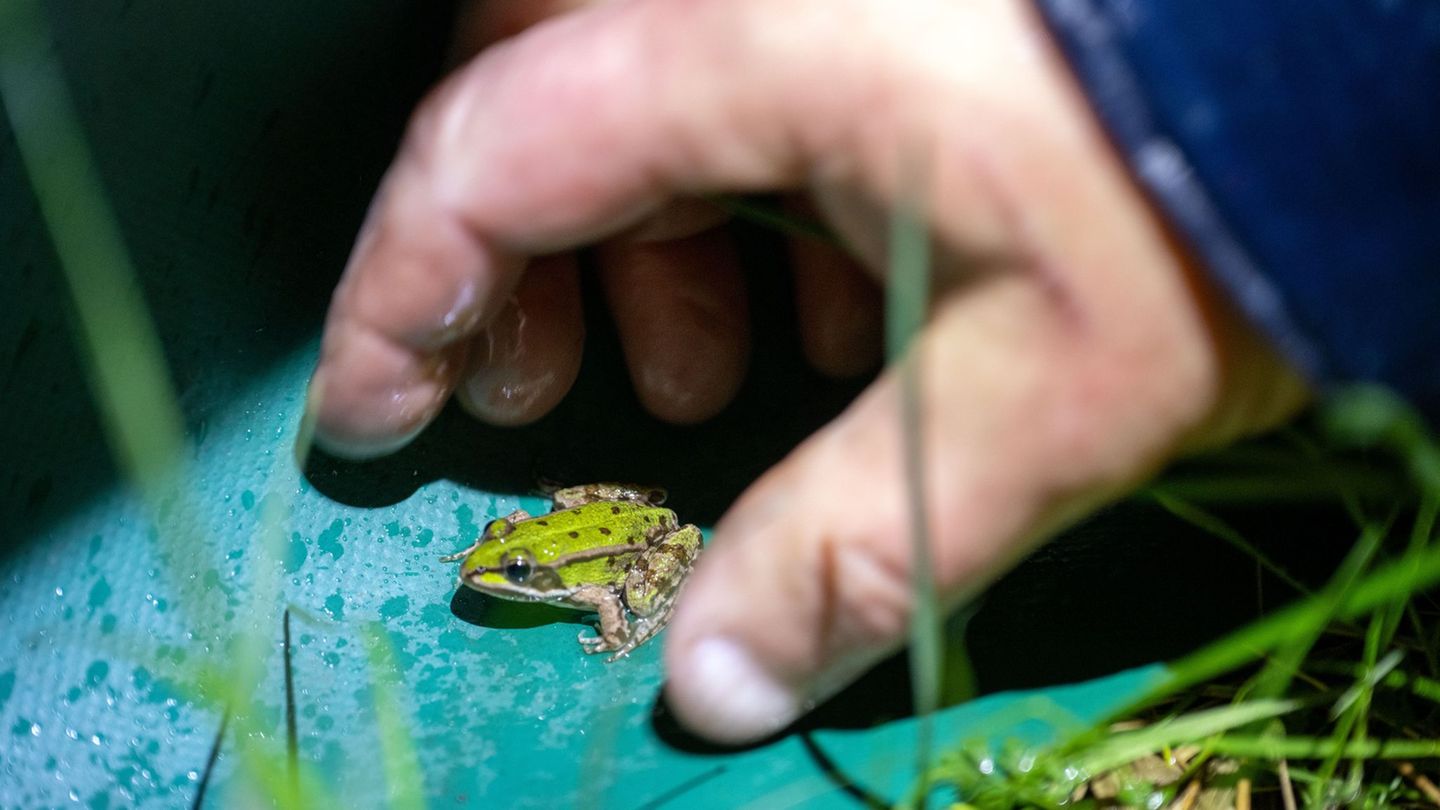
1032, 416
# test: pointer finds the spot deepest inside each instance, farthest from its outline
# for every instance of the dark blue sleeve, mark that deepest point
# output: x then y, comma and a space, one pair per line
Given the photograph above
1296, 144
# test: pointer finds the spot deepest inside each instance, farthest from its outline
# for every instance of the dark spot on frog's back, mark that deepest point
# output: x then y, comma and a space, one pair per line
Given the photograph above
542, 522
604, 531
574, 534
680, 553
614, 510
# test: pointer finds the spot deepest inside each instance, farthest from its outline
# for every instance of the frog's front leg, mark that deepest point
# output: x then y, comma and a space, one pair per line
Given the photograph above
654, 582
498, 527
614, 629
571, 497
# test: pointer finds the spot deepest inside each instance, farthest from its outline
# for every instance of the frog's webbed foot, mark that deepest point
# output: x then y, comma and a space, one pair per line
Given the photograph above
460, 555
644, 629
613, 629
593, 644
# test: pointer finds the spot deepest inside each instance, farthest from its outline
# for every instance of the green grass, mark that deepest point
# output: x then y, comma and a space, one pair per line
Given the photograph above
1334, 695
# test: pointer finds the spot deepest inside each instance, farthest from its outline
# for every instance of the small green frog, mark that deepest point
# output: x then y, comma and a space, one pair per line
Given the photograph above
609, 548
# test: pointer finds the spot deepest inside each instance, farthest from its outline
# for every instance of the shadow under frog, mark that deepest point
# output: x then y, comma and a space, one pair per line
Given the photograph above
473, 607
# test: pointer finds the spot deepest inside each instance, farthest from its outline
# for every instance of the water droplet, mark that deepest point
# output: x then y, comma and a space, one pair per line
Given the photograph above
35, 729
59, 591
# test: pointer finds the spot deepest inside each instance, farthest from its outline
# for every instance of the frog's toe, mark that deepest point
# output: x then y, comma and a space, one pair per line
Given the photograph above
459, 555
594, 643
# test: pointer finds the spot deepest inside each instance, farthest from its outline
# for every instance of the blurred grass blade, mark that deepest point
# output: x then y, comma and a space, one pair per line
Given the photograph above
397, 750
1211, 524
773, 217
1292, 747
1373, 416
1306, 628
1129, 746
126, 362
907, 296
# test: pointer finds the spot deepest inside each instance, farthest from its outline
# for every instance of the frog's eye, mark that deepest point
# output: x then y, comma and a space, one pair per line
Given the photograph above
517, 567
656, 496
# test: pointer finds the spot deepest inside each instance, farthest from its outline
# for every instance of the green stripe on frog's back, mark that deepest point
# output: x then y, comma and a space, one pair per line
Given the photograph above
551, 539
593, 525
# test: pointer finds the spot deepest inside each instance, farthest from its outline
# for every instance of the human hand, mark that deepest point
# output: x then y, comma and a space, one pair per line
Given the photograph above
1071, 347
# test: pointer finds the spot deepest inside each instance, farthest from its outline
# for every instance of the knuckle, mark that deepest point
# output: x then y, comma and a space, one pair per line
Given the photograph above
869, 595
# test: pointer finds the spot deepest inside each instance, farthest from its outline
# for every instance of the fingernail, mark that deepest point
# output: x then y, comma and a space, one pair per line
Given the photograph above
351, 447
727, 696
363, 449
504, 385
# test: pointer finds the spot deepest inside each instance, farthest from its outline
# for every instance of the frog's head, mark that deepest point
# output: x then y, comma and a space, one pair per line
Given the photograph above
511, 571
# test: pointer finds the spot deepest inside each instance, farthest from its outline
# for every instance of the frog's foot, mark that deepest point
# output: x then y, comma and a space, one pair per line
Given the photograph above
597, 643
644, 629
612, 628
460, 555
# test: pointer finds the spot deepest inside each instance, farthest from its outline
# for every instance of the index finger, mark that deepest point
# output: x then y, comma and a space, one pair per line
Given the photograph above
573, 130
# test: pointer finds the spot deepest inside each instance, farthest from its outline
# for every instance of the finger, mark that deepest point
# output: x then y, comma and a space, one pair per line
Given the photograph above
838, 306
680, 308
572, 130
395, 335
528, 356
1030, 418
482, 23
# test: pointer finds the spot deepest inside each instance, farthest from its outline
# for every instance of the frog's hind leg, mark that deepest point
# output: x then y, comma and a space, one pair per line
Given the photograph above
653, 584
613, 630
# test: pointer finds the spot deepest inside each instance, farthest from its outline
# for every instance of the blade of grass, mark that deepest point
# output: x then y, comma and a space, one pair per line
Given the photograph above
1304, 630
125, 358
771, 216
1292, 747
292, 738
1351, 710
1421, 532
1373, 416
1212, 524
126, 366
1129, 746
200, 789
906, 304
401, 765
